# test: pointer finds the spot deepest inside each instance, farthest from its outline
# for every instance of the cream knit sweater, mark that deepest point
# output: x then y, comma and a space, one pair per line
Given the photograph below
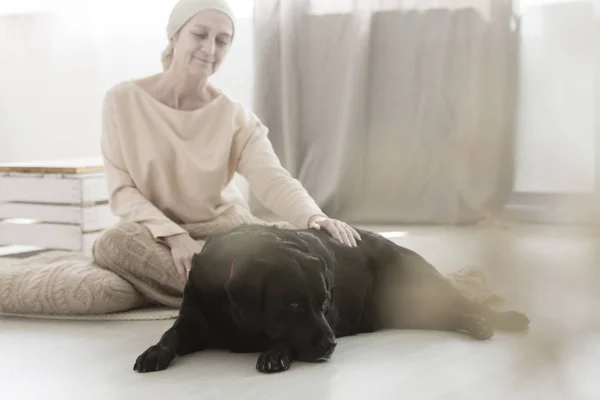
166, 167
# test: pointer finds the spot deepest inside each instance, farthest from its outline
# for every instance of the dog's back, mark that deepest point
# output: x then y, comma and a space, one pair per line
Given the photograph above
380, 285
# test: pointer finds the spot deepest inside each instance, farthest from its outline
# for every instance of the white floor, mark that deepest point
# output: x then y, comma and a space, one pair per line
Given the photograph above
551, 273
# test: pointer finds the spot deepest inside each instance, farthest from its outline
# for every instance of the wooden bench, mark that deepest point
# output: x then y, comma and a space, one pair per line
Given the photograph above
59, 204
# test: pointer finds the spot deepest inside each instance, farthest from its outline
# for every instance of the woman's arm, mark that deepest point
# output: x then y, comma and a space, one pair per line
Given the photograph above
270, 182
275, 188
125, 199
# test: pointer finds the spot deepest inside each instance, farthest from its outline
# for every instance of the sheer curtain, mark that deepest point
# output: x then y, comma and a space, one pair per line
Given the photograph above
392, 111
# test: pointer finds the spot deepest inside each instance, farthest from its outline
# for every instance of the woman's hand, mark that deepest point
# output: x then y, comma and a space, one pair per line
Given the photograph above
183, 248
338, 229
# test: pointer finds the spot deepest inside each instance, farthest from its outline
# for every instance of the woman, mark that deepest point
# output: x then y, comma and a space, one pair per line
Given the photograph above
171, 144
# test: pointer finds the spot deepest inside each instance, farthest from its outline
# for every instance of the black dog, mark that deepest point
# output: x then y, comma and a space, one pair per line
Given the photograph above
289, 294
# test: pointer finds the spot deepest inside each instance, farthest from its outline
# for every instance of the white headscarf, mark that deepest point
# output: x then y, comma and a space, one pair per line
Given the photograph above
184, 10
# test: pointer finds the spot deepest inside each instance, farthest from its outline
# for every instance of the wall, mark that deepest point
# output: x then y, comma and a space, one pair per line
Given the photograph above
57, 62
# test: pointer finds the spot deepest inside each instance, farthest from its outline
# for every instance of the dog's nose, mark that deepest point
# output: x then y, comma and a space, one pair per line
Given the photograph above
328, 345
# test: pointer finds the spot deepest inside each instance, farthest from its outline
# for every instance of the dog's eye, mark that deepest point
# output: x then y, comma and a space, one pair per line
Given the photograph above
295, 306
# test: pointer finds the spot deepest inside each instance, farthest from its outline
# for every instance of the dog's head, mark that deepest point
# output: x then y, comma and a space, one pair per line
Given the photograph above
286, 294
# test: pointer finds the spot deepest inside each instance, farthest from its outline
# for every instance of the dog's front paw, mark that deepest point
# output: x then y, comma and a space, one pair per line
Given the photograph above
274, 360
156, 358
479, 328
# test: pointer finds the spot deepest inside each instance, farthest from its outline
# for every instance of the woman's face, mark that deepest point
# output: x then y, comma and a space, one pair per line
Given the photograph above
202, 43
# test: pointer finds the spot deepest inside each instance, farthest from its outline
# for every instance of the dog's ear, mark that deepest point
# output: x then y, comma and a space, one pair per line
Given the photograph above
325, 266
245, 292
311, 260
